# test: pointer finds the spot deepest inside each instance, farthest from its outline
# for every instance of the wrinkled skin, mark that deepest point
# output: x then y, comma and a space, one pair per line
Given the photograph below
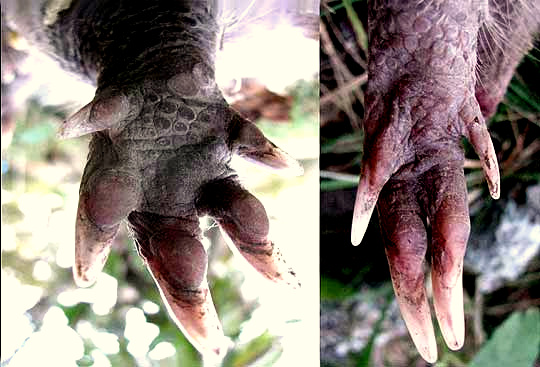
162, 140
422, 97
162, 172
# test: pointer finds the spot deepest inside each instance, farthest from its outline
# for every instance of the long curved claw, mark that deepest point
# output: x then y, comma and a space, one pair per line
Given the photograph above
448, 302
106, 198
382, 156
483, 146
245, 223
450, 232
197, 318
366, 199
177, 261
405, 242
480, 139
92, 247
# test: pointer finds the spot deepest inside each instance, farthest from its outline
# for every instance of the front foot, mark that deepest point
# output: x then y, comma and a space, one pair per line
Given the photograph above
412, 170
420, 101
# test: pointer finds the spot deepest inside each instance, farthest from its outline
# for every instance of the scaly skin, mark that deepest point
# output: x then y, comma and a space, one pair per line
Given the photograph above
163, 137
422, 97
419, 104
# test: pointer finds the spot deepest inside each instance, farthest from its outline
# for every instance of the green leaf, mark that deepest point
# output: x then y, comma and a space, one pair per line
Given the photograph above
515, 343
361, 34
348, 143
332, 289
334, 185
333, 8
261, 351
519, 94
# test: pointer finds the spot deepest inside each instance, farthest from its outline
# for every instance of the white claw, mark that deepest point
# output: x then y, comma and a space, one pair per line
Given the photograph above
448, 302
363, 209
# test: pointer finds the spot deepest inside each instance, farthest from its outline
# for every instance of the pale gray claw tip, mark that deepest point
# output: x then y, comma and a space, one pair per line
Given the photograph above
359, 226
363, 209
